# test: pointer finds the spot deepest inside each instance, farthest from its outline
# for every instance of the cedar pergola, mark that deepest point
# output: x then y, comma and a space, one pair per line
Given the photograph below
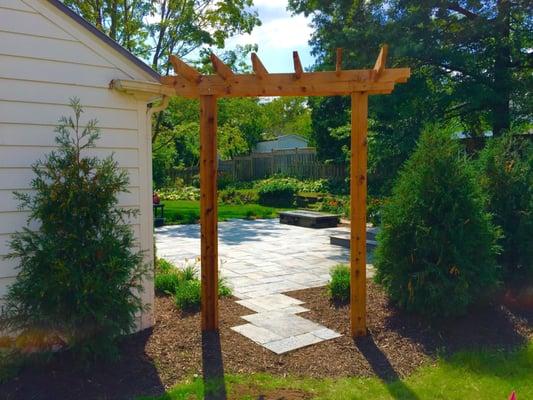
358, 84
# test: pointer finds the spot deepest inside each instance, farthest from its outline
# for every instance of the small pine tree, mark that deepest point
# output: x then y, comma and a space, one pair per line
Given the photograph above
505, 168
78, 276
437, 246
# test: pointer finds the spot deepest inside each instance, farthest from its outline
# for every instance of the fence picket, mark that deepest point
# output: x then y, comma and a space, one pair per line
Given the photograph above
298, 163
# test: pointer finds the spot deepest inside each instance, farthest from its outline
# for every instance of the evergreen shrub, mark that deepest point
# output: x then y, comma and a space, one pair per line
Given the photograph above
437, 245
505, 171
339, 285
78, 274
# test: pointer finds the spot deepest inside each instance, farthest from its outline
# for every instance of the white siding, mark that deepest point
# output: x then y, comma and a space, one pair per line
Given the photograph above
46, 59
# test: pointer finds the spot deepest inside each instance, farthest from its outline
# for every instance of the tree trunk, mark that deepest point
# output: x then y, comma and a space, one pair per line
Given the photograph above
501, 118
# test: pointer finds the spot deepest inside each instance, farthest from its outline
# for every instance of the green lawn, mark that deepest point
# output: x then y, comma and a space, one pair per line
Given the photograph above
467, 375
188, 211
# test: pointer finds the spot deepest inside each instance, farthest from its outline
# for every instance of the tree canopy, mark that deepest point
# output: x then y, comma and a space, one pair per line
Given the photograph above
155, 29
471, 64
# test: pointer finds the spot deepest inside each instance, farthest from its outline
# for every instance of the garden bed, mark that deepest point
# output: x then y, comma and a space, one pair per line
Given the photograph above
157, 359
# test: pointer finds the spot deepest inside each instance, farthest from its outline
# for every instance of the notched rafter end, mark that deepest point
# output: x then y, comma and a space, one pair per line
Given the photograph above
338, 63
258, 67
220, 68
298, 70
379, 66
185, 70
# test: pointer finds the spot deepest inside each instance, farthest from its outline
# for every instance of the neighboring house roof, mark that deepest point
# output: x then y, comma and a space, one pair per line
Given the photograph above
102, 36
303, 139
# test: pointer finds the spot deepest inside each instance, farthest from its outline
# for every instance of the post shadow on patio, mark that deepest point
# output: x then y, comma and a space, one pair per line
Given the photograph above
359, 84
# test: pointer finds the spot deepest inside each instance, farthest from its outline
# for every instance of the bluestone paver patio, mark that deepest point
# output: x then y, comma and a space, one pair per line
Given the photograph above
260, 260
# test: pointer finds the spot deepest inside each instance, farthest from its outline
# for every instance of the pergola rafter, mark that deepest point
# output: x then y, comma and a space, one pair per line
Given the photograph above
358, 84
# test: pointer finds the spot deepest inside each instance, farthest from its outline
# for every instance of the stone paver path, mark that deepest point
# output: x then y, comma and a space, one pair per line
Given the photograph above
261, 260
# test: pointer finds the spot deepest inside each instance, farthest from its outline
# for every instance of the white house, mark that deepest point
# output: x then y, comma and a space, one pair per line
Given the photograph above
284, 142
48, 55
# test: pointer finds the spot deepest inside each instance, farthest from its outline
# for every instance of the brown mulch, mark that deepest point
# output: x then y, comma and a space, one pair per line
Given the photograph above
175, 349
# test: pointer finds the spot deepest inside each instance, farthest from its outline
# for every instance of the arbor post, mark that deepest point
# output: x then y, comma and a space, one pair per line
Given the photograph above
358, 188
208, 212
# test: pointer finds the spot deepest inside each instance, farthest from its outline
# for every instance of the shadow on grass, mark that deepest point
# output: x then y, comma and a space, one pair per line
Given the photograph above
213, 367
383, 369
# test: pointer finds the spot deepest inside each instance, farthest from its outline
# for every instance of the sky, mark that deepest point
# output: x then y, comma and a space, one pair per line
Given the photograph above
278, 36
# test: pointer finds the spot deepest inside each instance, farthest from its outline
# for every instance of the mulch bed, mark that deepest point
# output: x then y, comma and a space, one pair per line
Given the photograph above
174, 349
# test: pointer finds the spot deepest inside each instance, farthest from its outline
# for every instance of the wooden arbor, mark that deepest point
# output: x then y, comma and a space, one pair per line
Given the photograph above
359, 84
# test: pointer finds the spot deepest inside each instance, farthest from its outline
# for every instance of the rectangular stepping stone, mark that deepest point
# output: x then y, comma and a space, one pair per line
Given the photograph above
292, 343
268, 303
256, 333
326, 334
283, 324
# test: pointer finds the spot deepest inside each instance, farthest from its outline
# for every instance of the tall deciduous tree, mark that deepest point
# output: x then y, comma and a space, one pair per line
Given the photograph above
154, 29
471, 62
479, 51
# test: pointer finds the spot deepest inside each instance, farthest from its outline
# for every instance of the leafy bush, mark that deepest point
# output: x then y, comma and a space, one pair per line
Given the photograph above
238, 196
184, 284
223, 289
314, 186
339, 285
505, 169
189, 272
179, 193
188, 295
166, 283
78, 275
163, 266
335, 205
437, 246
168, 276
277, 192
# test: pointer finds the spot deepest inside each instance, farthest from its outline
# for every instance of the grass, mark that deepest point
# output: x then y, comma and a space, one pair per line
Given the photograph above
188, 211
466, 375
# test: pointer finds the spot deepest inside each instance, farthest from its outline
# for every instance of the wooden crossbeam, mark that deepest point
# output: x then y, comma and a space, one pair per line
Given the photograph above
185, 70
379, 67
327, 83
298, 70
338, 63
190, 83
220, 68
258, 67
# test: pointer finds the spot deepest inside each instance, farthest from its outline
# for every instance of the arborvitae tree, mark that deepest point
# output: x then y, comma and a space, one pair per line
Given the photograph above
79, 276
437, 246
505, 170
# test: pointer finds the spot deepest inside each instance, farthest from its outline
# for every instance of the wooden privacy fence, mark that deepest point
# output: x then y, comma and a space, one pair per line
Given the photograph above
297, 163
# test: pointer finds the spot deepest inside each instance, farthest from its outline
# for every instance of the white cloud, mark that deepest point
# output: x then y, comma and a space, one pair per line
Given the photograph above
283, 33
